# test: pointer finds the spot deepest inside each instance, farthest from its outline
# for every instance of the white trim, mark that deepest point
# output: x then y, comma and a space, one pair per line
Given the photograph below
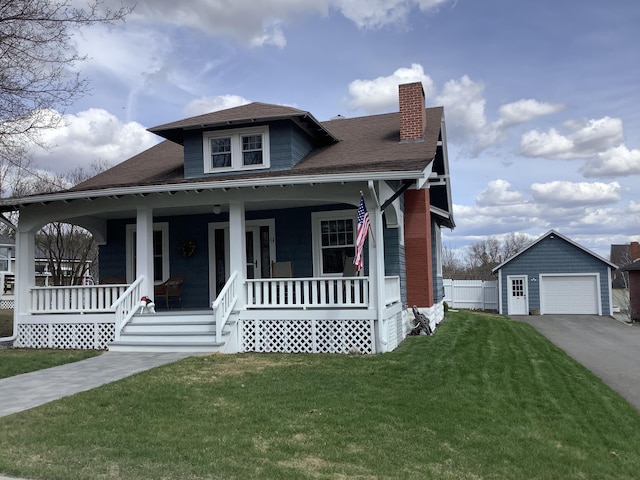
525, 292
215, 185
316, 235
212, 226
595, 275
157, 226
235, 136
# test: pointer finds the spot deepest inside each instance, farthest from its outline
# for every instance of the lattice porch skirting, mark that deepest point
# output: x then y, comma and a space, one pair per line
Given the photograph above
79, 336
7, 304
308, 336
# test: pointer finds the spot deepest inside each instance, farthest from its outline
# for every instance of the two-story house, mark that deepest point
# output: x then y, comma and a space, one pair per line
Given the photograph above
242, 227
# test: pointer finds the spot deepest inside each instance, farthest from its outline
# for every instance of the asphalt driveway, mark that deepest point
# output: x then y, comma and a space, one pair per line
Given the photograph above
607, 347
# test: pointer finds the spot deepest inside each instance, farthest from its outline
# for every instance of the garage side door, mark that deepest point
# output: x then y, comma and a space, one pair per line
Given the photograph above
565, 294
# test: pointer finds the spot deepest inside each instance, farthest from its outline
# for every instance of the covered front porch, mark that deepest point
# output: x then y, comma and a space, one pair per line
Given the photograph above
230, 301
311, 315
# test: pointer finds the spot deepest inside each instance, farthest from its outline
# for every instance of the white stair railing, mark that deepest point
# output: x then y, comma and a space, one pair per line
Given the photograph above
224, 303
127, 305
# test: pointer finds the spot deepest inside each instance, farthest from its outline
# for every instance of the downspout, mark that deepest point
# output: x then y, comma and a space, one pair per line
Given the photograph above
378, 235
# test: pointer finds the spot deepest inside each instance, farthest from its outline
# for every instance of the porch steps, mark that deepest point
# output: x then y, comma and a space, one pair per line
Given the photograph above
174, 331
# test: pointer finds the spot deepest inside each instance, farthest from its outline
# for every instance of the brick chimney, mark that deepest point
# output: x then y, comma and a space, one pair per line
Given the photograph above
634, 251
413, 117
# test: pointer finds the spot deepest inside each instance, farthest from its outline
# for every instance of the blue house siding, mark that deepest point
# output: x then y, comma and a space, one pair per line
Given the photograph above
287, 146
112, 254
293, 233
196, 268
193, 155
552, 256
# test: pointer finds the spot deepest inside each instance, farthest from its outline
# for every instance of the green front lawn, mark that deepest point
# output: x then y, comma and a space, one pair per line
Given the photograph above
485, 398
17, 361
6, 323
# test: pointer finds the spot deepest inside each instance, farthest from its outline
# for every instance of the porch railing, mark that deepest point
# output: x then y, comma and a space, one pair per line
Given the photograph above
321, 292
75, 299
127, 305
392, 290
224, 303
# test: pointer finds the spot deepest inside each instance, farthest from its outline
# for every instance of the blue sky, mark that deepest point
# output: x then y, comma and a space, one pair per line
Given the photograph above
541, 97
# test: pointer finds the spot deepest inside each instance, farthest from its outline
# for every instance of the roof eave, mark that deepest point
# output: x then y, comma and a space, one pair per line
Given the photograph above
566, 239
173, 133
11, 204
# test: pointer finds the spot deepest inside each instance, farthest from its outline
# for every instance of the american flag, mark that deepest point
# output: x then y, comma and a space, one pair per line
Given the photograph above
363, 230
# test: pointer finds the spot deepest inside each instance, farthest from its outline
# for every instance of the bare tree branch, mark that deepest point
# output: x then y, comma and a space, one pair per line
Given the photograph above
38, 67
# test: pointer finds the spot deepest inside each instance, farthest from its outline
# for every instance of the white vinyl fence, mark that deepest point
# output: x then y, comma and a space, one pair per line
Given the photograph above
471, 294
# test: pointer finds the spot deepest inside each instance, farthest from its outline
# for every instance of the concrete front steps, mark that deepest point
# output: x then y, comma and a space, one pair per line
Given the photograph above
171, 331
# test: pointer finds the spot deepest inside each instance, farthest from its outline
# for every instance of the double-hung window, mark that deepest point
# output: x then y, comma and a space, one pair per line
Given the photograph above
334, 235
240, 149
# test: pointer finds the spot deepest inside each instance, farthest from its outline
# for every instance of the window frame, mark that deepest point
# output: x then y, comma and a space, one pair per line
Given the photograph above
316, 232
237, 157
162, 227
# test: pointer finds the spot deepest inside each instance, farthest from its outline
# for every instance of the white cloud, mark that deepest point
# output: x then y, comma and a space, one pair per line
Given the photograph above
130, 55
253, 23
499, 192
618, 161
540, 144
261, 23
213, 104
381, 94
569, 194
378, 13
464, 106
586, 139
525, 110
91, 135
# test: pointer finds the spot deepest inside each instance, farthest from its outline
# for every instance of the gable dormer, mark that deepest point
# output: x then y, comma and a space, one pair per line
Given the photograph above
251, 137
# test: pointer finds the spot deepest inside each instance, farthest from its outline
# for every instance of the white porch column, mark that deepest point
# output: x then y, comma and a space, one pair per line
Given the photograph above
237, 247
25, 271
376, 273
144, 248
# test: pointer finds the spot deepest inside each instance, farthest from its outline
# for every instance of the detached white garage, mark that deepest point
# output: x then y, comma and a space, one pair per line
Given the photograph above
570, 294
555, 275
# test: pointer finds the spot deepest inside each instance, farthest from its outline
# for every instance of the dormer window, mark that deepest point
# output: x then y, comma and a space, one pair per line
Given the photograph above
239, 149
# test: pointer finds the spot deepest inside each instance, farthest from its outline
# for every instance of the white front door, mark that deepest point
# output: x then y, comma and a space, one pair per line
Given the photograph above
518, 304
260, 250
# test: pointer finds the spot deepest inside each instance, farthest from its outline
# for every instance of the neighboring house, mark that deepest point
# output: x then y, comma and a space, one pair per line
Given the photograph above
42, 274
555, 275
7, 269
634, 290
212, 218
622, 255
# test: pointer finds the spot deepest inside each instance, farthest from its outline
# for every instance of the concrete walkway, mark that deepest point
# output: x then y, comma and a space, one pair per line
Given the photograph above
29, 390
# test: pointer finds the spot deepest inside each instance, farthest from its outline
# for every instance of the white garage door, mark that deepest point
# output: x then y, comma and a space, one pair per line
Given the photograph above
566, 294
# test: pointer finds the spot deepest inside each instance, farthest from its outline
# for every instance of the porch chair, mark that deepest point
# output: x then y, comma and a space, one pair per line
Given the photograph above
282, 269
172, 288
349, 269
